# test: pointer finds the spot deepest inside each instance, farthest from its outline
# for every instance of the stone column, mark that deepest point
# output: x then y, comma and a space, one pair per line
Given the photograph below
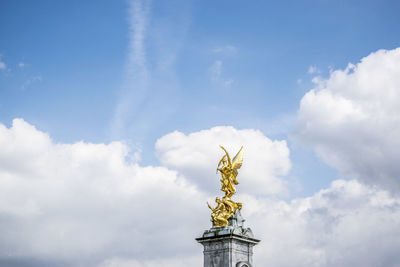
229, 246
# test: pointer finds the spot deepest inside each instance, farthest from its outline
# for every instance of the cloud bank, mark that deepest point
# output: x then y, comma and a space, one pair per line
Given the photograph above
348, 224
81, 203
352, 119
87, 204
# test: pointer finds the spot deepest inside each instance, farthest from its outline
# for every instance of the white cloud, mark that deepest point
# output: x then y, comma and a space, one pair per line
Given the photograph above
3, 65
88, 204
348, 224
85, 204
216, 75
352, 119
21, 65
196, 155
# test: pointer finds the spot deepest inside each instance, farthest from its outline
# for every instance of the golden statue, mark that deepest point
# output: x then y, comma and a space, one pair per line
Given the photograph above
229, 171
226, 207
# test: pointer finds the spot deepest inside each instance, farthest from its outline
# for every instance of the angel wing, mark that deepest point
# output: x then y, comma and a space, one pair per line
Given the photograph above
226, 153
237, 161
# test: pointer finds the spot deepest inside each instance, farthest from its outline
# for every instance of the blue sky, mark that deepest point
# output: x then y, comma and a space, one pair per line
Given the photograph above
75, 57
136, 71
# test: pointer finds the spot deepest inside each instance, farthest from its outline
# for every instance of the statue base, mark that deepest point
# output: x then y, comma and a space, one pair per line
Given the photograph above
229, 246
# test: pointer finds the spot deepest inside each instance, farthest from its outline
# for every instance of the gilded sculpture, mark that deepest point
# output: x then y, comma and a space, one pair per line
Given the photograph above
226, 207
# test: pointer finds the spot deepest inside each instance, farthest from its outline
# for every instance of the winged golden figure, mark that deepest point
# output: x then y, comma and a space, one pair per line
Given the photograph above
229, 171
225, 207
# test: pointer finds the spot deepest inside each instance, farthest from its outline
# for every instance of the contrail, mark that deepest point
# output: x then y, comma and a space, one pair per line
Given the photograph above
136, 77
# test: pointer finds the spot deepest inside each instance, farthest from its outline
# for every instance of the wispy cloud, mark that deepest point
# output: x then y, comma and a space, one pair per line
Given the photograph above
151, 90
136, 73
313, 70
21, 65
216, 70
216, 75
3, 65
226, 49
30, 81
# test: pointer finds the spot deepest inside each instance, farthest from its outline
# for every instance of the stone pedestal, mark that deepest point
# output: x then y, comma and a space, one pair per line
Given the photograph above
229, 246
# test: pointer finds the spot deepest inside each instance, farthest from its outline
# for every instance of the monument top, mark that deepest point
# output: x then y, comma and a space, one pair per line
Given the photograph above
228, 243
235, 228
